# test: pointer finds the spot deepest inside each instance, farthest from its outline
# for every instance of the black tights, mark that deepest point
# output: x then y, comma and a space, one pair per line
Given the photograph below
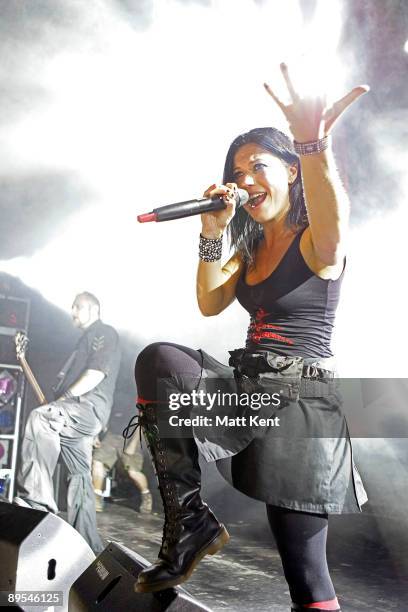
301, 540
300, 536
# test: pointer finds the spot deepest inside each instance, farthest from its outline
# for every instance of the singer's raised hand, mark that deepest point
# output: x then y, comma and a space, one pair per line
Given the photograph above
215, 222
310, 118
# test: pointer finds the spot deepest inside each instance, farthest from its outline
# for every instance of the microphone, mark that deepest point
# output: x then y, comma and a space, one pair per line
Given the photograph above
191, 207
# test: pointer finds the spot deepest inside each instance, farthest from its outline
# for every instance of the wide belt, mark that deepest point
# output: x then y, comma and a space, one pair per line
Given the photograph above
288, 374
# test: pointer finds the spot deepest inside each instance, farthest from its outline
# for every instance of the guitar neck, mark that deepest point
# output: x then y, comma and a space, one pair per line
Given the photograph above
32, 380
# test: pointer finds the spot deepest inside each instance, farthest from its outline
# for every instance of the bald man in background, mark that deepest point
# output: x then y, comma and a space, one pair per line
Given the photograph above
68, 425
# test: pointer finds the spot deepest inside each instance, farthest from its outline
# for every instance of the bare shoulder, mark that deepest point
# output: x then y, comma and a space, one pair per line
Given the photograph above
314, 263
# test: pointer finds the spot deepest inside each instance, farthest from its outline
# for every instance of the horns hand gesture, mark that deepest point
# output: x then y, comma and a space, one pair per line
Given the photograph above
310, 118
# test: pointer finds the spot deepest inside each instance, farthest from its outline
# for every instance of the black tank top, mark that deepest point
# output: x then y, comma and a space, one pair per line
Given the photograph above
293, 310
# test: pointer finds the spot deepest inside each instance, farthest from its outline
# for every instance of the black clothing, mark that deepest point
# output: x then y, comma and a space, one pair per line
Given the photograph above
97, 349
293, 310
191, 529
302, 536
263, 462
290, 484
304, 469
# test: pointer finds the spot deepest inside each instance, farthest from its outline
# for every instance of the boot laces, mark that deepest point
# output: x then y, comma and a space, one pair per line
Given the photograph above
138, 422
146, 420
171, 530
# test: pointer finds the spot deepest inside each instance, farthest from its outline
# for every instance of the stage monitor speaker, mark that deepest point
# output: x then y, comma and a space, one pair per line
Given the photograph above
108, 586
39, 552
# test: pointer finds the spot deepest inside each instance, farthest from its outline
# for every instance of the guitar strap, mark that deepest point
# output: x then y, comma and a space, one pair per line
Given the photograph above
63, 372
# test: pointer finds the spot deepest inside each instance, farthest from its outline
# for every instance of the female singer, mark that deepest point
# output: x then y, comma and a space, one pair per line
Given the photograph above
286, 271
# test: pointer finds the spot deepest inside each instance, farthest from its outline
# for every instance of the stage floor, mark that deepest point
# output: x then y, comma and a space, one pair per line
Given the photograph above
246, 575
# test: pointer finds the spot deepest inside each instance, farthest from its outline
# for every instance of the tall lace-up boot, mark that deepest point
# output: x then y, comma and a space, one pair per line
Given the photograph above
191, 530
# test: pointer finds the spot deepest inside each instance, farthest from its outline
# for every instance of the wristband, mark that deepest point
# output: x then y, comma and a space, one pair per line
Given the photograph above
210, 249
312, 147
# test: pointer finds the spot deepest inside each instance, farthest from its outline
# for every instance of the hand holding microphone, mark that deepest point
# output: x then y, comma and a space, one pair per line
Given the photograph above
215, 221
223, 199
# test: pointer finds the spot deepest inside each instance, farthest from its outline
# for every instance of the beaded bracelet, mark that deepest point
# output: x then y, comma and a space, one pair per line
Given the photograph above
313, 147
210, 249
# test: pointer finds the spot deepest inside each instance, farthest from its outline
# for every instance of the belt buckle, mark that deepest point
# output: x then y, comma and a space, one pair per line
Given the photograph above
310, 371
313, 372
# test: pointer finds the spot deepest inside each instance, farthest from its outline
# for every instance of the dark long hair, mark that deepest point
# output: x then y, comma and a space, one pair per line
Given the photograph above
245, 233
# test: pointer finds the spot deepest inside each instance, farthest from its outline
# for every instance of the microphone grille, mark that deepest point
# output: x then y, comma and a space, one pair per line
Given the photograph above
242, 197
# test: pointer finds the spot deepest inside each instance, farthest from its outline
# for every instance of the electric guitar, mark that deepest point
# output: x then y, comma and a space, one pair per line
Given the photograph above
21, 341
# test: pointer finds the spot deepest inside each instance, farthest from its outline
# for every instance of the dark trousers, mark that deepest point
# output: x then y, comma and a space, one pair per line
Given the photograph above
65, 427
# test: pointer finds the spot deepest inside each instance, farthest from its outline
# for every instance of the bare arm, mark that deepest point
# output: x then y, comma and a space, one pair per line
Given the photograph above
86, 382
327, 206
216, 283
326, 201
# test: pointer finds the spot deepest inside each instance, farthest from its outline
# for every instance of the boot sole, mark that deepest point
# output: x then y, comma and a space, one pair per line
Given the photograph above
210, 549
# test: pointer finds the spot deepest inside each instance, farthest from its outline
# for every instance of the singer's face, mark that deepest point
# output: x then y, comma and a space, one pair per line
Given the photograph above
265, 177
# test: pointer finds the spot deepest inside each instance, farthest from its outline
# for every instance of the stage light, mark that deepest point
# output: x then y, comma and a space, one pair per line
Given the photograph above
406, 46
313, 71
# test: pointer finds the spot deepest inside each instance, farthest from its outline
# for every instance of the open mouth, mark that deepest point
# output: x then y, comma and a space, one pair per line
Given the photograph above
256, 200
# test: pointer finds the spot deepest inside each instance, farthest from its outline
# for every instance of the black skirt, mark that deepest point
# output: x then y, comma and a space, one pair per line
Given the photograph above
296, 455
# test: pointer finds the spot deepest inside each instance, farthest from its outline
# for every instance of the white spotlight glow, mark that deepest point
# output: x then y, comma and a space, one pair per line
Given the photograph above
144, 118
